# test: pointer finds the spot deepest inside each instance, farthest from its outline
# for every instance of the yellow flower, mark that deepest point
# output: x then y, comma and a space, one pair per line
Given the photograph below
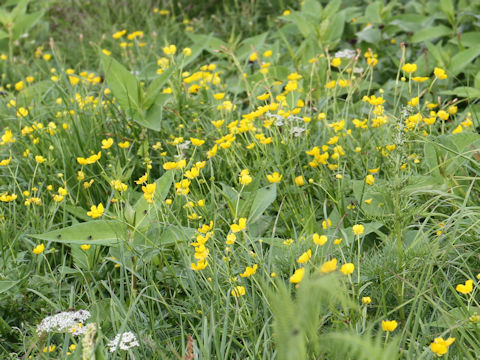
219, 96
305, 257
73, 80
107, 143
329, 266
245, 177
200, 265
231, 239
39, 159
297, 276
39, 249
90, 160
319, 239
96, 211
187, 51
274, 178
170, 50
49, 349
238, 291
370, 179
440, 73
22, 112
5, 162
409, 68
118, 185
347, 269
124, 144
149, 192
253, 56
299, 180
420, 78
19, 86
197, 142
465, 288
457, 130
242, 223
389, 325
440, 346
358, 229
119, 34
106, 52
249, 271
336, 62
85, 247
366, 300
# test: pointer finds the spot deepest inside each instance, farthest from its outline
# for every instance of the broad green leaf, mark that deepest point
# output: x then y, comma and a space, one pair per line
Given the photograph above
154, 115
264, 197
448, 8
302, 24
6, 285
372, 13
409, 22
438, 55
95, 232
154, 88
211, 43
25, 22
3, 34
312, 7
331, 9
430, 33
254, 42
123, 84
464, 92
462, 59
335, 30
173, 234
370, 35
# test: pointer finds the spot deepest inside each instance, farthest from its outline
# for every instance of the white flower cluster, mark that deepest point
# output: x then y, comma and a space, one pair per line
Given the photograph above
67, 321
347, 53
124, 341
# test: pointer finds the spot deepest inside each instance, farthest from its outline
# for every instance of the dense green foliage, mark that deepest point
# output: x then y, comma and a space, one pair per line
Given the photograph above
240, 179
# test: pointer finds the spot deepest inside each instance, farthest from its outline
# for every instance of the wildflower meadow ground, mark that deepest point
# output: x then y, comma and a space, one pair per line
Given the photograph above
275, 179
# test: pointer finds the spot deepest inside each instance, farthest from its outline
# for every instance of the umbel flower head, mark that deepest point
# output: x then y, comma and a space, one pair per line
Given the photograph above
67, 321
123, 341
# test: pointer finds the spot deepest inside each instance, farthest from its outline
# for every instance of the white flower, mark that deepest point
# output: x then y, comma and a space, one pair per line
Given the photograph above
184, 146
297, 131
67, 321
124, 341
347, 53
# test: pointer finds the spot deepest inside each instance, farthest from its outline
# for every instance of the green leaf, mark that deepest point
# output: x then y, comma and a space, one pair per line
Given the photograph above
463, 92
331, 9
24, 23
462, 59
370, 35
123, 84
211, 43
6, 285
447, 7
372, 13
96, 232
336, 27
430, 33
154, 88
264, 197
